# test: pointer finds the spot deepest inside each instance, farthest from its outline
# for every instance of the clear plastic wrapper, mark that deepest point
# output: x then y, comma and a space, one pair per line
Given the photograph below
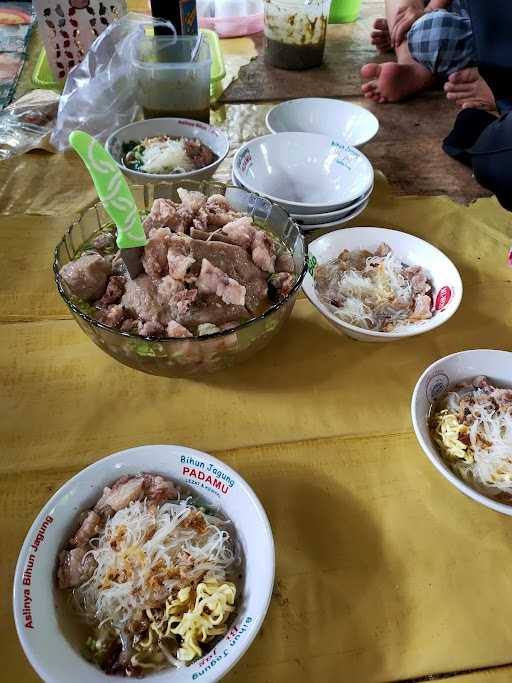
27, 123
100, 94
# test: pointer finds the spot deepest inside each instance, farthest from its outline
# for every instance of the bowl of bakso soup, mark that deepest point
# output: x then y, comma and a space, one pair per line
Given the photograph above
380, 285
153, 562
156, 150
462, 415
219, 277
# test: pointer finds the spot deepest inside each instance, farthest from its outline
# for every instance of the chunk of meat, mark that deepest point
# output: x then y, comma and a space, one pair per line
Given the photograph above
163, 212
210, 309
241, 231
179, 259
357, 259
200, 154
191, 200
73, 569
154, 258
150, 328
123, 492
212, 280
282, 283
237, 264
174, 329
181, 302
114, 291
167, 287
112, 316
200, 219
89, 527
481, 382
219, 211
419, 283
166, 213
158, 489
105, 240
264, 251
215, 236
383, 249
87, 276
418, 279
140, 298
422, 308
285, 263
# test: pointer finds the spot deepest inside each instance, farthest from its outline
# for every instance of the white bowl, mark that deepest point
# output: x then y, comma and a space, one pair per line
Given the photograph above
305, 173
442, 374
48, 649
335, 223
446, 282
345, 215
335, 118
317, 220
212, 137
332, 216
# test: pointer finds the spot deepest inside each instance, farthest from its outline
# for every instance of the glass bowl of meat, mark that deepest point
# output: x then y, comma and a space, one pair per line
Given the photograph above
219, 277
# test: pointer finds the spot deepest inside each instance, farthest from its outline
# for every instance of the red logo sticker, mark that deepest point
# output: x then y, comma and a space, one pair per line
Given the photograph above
443, 298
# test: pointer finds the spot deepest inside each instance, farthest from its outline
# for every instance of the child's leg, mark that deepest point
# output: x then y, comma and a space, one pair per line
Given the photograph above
438, 44
391, 82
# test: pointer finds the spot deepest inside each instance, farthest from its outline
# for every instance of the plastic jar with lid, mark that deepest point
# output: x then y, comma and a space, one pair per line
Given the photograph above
295, 33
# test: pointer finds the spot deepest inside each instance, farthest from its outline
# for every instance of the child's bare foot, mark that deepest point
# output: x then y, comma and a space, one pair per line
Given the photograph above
380, 35
391, 82
468, 89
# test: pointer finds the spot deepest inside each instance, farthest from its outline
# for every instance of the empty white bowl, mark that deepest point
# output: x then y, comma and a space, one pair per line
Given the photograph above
51, 652
335, 118
212, 137
436, 379
446, 282
305, 173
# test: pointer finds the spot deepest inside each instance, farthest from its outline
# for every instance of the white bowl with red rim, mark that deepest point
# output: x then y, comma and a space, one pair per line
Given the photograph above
439, 378
413, 251
57, 659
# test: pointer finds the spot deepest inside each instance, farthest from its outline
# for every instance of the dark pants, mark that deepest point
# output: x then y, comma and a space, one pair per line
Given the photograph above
480, 139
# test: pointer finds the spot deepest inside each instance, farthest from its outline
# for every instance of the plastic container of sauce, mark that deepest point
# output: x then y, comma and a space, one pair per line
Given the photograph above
295, 33
173, 77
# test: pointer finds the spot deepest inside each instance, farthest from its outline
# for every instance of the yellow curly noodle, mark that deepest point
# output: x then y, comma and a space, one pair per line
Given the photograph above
447, 430
195, 621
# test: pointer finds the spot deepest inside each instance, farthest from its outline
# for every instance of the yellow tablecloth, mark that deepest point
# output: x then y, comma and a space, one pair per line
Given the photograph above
384, 572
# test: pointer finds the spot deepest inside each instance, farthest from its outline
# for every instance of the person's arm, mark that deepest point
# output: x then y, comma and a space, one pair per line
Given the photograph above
409, 13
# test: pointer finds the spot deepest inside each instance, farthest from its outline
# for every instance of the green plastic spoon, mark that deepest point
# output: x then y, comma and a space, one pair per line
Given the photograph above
117, 198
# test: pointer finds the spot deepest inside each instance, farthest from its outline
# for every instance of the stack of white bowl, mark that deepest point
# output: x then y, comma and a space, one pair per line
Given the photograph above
321, 182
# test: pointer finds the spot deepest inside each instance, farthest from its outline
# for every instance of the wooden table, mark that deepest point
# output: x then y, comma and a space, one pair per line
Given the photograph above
383, 571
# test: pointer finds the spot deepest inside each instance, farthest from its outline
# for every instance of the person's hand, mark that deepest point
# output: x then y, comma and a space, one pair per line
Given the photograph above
405, 18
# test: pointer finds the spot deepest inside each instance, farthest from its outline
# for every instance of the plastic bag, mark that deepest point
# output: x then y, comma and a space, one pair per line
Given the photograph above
100, 93
26, 124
